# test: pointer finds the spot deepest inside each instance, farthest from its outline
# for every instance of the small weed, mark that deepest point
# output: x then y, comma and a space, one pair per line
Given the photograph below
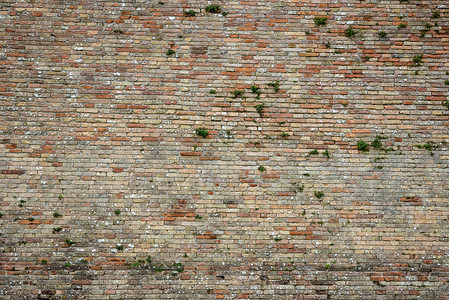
423, 33
170, 52
224, 14
428, 26
69, 242
83, 261
446, 82
1, 214
198, 217
427, 146
212, 92
56, 215
350, 32
326, 154
189, 13
275, 86
237, 93
402, 25
59, 197
284, 135
44, 262
377, 144
158, 269
313, 152
202, 132
31, 219
185, 255
383, 34
417, 60
445, 103
362, 145
327, 266
255, 90
117, 212
259, 108
118, 31
306, 174
320, 21
327, 45
161, 3
277, 239
148, 259
119, 247
319, 194
261, 168
213, 8
57, 229
303, 212
379, 167
436, 14
281, 123
66, 265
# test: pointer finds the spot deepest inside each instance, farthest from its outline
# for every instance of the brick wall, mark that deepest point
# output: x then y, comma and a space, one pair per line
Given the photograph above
322, 172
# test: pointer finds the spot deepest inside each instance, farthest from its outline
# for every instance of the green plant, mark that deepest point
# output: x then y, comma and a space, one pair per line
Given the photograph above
402, 25
148, 259
119, 247
306, 174
255, 90
275, 86
117, 212
446, 82
427, 146
423, 33
350, 32
57, 229
189, 13
327, 45
212, 92
319, 194
44, 261
428, 26
327, 266
376, 143
284, 135
277, 239
31, 219
313, 152
118, 31
56, 215
59, 197
198, 217
83, 261
201, 131
362, 145
170, 52
445, 103
66, 265
320, 21
185, 255
224, 14
259, 108
436, 14
326, 154
213, 8
261, 168
69, 242
417, 60
237, 93
382, 34
1, 214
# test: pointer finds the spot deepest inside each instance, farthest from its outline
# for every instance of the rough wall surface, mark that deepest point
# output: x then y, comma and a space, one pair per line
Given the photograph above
109, 191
